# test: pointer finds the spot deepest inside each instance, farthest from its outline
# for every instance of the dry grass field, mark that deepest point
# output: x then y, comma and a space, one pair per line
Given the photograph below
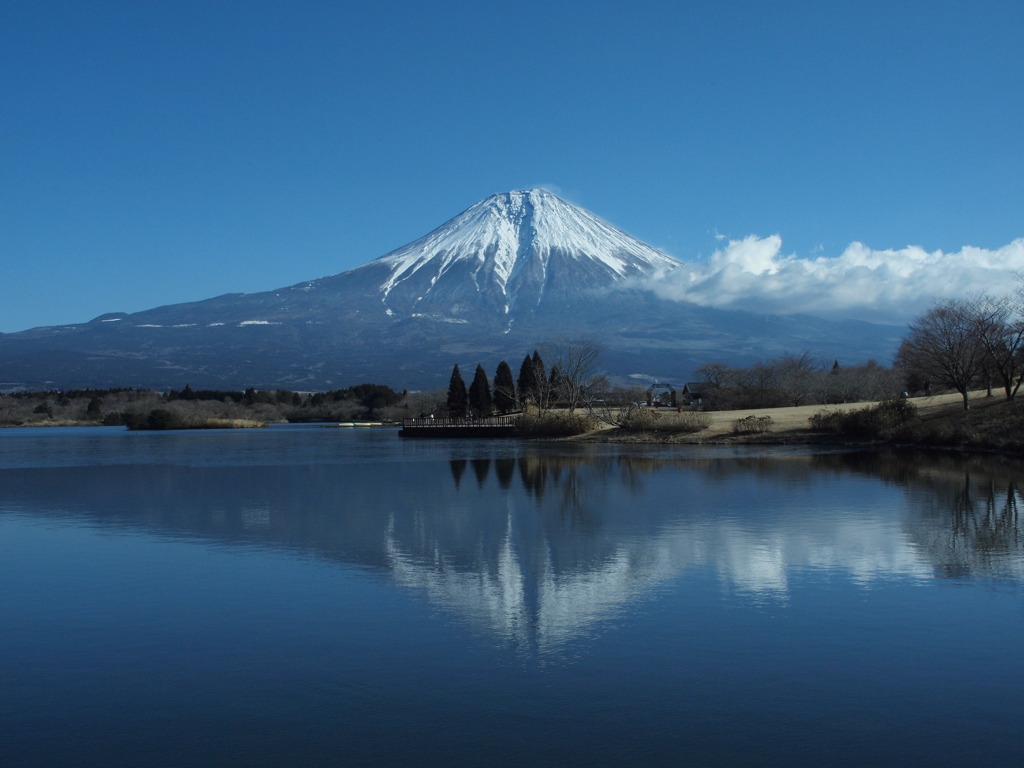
797, 419
991, 423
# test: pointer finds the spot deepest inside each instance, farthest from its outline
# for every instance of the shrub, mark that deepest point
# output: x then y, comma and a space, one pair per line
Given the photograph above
896, 412
162, 418
827, 421
946, 433
635, 419
911, 432
645, 420
684, 423
554, 424
864, 422
752, 425
95, 409
889, 419
158, 418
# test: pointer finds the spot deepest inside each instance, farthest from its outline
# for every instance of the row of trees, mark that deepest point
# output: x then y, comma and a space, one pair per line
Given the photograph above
370, 397
958, 344
964, 343
572, 382
794, 380
112, 406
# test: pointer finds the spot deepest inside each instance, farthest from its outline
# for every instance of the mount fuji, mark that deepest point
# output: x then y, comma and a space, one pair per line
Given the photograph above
504, 276
510, 254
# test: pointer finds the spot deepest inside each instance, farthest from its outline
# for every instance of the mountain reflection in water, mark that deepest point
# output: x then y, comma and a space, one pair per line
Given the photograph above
536, 545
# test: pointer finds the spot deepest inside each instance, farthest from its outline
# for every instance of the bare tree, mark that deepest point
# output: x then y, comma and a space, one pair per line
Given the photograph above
716, 375
1000, 329
578, 380
798, 378
942, 344
761, 379
866, 382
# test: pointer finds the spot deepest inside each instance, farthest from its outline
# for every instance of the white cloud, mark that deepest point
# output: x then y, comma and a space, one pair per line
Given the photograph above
877, 285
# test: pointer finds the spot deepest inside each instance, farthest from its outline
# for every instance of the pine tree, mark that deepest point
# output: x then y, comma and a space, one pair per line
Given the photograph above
540, 388
457, 398
527, 380
504, 388
480, 393
540, 373
95, 409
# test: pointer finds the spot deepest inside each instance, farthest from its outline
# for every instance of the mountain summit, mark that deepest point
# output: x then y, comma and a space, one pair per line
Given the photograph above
503, 277
511, 251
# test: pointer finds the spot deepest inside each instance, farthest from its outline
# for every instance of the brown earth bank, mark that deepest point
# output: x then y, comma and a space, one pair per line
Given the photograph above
991, 423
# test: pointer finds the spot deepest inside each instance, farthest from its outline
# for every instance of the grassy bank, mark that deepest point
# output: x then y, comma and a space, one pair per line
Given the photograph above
991, 424
162, 418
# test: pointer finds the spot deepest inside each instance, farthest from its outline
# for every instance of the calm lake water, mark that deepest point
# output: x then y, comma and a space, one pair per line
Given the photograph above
311, 596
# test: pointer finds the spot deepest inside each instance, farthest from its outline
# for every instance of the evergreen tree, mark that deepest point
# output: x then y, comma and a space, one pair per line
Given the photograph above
527, 380
504, 388
540, 373
480, 393
95, 409
540, 388
457, 398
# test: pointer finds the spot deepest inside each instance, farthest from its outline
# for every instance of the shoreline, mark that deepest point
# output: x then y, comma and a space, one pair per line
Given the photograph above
791, 426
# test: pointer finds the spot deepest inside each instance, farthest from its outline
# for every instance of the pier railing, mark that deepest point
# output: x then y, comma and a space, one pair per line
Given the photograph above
449, 422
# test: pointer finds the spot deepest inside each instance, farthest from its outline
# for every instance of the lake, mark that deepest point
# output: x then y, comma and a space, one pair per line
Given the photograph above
314, 596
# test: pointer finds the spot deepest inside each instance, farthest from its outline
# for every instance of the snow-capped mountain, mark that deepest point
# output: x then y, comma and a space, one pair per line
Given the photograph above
510, 252
508, 274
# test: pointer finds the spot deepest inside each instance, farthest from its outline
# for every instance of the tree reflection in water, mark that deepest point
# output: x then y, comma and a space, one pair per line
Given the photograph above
965, 517
577, 529
967, 507
458, 470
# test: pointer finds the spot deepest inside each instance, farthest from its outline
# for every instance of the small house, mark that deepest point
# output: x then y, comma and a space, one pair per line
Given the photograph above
693, 393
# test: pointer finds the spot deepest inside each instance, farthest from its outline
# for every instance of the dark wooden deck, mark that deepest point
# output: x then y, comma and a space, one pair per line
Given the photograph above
494, 426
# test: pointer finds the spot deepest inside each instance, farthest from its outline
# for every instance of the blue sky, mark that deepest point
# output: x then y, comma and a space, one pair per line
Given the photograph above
160, 152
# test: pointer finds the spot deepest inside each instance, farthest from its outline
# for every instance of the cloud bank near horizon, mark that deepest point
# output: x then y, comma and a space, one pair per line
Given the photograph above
881, 286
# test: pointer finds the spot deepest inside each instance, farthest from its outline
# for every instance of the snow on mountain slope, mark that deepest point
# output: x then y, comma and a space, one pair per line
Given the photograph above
509, 251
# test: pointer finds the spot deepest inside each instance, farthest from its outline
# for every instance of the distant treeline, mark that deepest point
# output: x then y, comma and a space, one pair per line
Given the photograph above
372, 397
127, 406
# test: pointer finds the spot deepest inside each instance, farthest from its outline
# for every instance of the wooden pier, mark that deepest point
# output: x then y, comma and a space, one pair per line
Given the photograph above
493, 426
